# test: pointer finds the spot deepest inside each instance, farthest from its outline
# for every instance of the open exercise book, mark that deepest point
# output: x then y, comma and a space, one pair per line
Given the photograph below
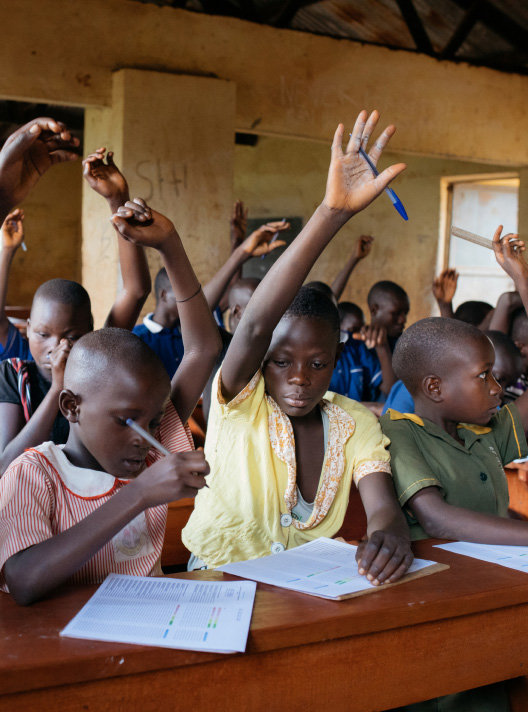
323, 567
212, 616
513, 557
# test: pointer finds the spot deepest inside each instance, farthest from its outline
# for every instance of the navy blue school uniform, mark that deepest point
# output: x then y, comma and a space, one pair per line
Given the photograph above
17, 346
357, 374
167, 343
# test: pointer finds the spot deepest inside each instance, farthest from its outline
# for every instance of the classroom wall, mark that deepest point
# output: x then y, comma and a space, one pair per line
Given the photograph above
280, 178
288, 84
53, 234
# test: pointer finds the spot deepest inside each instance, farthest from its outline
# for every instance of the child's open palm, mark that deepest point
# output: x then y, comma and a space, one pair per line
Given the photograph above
105, 178
13, 230
262, 241
351, 185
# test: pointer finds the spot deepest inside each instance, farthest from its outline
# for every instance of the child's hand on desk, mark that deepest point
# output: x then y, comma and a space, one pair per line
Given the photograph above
176, 476
384, 557
13, 230
28, 153
136, 222
508, 253
351, 186
444, 286
105, 178
238, 224
259, 242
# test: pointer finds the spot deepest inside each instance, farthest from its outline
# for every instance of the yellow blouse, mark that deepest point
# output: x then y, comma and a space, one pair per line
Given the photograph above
250, 447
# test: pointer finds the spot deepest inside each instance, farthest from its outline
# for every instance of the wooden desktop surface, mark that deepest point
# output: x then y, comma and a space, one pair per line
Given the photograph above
453, 630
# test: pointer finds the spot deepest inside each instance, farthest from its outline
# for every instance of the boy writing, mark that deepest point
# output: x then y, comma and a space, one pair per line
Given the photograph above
63, 509
283, 458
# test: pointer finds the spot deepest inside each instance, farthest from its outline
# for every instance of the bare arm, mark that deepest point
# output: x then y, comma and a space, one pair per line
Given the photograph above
201, 340
375, 337
507, 303
34, 572
387, 555
256, 245
444, 288
444, 521
12, 237
237, 234
350, 188
509, 254
15, 434
362, 248
107, 180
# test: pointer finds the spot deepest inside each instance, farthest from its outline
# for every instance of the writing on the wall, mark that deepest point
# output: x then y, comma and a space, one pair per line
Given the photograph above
162, 180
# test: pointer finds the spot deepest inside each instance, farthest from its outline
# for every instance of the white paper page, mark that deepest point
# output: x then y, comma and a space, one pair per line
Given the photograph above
174, 613
513, 557
322, 567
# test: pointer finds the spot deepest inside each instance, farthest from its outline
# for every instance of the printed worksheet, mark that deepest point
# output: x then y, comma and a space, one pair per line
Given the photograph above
513, 557
322, 567
212, 616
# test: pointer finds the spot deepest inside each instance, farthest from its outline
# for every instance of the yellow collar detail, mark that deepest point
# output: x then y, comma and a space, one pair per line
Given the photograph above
395, 415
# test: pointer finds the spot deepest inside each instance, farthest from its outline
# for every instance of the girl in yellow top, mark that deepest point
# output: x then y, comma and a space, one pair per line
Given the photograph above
283, 457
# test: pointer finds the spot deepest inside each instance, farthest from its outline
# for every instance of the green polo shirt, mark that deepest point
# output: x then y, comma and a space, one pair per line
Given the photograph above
469, 475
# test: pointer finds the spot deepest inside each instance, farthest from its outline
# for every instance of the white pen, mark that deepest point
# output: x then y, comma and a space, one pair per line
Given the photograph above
147, 436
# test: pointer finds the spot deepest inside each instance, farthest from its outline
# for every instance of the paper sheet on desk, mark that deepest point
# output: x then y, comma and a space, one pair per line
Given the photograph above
513, 557
212, 616
322, 567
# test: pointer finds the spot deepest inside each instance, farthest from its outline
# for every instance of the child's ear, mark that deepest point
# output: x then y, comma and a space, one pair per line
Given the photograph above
69, 405
432, 387
28, 326
373, 309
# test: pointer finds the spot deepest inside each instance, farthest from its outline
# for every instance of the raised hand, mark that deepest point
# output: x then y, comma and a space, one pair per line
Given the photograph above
105, 178
373, 336
444, 286
351, 186
28, 153
262, 241
508, 253
238, 224
13, 230
363, 246
139, 224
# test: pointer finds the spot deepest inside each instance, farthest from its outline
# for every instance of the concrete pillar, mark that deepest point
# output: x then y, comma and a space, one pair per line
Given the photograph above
173, 138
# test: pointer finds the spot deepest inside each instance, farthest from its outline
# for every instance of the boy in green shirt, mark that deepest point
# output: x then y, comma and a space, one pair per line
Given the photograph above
447, 459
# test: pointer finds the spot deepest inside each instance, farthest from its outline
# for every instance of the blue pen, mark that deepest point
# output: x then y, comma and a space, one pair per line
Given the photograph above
392, 195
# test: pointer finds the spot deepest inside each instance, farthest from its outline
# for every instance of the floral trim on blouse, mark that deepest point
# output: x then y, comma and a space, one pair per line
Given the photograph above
341, 428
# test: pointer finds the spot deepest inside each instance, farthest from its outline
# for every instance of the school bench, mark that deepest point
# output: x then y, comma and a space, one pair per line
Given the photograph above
454, 630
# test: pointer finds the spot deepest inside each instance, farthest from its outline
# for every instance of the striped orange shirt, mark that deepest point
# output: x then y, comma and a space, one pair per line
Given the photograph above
42, 494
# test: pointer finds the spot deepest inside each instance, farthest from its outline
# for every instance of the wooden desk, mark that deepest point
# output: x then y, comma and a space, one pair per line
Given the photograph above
517, 476
454, 630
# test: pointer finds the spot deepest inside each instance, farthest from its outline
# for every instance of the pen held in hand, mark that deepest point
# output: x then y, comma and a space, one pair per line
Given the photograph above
275, 236
397, 203
148, 437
